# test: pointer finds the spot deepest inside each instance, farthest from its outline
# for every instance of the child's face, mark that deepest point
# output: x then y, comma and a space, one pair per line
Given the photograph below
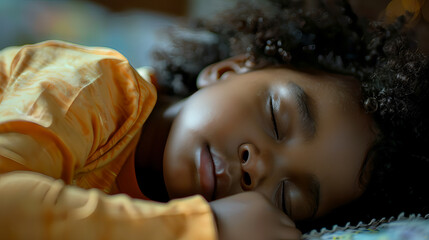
299, 139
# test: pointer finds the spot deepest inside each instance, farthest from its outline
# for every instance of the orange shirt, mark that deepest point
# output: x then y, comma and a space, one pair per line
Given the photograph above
72, 116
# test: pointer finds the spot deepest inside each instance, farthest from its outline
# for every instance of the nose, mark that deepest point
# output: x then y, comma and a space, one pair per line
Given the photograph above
253, 166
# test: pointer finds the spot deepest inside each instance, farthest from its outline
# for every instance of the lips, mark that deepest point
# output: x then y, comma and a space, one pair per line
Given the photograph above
207, 174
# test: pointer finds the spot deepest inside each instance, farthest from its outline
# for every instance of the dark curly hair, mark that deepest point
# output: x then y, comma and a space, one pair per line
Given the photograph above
394, 78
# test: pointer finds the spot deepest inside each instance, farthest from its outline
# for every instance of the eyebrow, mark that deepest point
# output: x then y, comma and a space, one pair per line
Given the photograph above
305, 109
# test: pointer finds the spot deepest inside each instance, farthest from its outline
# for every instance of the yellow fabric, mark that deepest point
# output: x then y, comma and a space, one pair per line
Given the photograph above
71, 115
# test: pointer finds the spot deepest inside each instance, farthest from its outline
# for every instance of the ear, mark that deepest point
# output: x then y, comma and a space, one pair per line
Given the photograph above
220, 70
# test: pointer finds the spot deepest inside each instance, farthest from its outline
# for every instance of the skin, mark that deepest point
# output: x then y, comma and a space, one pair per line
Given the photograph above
232, 117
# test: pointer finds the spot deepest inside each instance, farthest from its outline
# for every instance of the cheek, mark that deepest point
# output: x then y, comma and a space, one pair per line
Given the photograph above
343, 158
179, 161
218, 115
204, 119
346, 154
345, 140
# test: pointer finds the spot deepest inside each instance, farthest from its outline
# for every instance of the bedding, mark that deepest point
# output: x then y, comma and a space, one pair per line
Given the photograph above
412, 227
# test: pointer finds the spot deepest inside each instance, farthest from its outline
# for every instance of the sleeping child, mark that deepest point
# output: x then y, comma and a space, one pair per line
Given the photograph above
296, 117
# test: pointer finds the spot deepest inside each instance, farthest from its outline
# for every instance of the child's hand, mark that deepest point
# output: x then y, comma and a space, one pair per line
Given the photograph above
251, 216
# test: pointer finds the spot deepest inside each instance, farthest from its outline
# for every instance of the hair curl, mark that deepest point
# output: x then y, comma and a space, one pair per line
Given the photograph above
393, 72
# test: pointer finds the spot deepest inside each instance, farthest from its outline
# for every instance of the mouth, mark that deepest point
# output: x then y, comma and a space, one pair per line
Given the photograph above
207, 173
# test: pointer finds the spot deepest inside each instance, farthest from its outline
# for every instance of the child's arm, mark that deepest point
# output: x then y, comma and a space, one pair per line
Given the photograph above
34, 206
73, 113
251, 216
68, 111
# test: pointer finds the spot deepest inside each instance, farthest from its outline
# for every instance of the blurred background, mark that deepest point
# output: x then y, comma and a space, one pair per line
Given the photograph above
129, 26
132, 26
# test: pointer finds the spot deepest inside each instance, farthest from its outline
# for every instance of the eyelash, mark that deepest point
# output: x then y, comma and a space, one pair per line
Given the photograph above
281, 201
273, 118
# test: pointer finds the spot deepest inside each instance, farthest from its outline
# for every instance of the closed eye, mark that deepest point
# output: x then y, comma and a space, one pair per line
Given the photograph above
280, 199
273, 118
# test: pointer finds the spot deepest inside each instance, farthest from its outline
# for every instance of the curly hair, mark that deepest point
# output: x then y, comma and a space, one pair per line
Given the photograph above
393, 72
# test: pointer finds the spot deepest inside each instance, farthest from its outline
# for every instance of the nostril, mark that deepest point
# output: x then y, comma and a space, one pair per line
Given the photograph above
221, 71
246, 179
244, 156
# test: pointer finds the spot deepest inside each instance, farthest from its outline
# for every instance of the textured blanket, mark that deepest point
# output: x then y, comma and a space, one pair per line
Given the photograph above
413, 227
